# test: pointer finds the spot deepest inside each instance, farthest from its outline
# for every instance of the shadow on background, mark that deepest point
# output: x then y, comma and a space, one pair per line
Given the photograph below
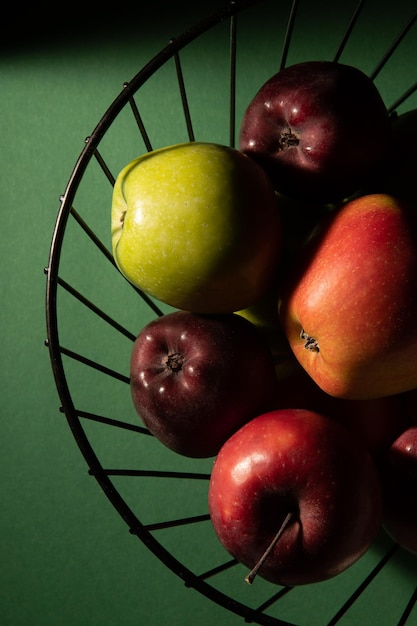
36, 26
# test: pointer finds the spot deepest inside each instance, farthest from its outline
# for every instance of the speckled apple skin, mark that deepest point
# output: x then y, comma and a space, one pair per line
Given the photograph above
295, 460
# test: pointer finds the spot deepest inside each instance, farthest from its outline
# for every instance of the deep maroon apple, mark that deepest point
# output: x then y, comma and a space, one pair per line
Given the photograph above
195, 379
300, 488
399, 482
398, 176
318, 128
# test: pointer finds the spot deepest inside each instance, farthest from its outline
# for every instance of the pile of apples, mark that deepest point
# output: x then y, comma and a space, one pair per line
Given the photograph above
291, 354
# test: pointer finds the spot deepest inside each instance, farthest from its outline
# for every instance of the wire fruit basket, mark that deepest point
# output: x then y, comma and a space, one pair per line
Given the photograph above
93, 314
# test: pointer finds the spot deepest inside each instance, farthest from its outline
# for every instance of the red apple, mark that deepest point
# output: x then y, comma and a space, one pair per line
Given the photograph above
349, 304
378, 421
196, 378
318, 128
302, 464
399, 483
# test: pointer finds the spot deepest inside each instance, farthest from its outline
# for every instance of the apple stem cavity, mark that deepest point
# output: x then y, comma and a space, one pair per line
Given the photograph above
287, 139
254, 571
309, 342
174, 361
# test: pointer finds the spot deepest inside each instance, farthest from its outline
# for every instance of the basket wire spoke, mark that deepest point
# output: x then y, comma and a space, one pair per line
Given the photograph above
105, 251
393, 47
407, 611
93, 417
363, 586
95, 309
273, 599
157, 473
76, 356
349, 30
409, 92
184, 99
288, 34
218, 570
139, 121
76, 417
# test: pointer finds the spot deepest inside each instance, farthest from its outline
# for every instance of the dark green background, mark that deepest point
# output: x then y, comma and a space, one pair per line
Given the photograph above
67, 557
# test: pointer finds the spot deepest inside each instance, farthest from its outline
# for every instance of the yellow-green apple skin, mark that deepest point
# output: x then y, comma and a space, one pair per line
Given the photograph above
196, 225
349, 308
263, 314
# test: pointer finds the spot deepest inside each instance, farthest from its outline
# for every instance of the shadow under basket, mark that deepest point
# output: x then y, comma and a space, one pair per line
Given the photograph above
93, 314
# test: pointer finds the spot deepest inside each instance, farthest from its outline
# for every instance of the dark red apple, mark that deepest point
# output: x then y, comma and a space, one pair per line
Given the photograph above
318, 128
300, 464
398, 176
349, 304
399, 483
409, 399
378, 421
195, 379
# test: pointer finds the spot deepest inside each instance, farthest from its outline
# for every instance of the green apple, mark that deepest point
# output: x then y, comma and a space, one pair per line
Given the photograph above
196, 225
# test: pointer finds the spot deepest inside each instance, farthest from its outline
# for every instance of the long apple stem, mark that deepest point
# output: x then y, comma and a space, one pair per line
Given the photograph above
254, 571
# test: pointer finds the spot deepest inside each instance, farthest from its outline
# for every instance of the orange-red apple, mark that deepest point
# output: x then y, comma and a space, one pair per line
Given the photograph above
349, 304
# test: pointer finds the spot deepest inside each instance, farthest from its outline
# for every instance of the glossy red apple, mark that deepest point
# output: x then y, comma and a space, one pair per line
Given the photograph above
302, 464
399, 482
195, 379
378, 421
318, 128
350, 303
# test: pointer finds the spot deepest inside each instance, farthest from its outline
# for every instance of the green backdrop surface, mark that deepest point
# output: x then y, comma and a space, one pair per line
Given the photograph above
67, 558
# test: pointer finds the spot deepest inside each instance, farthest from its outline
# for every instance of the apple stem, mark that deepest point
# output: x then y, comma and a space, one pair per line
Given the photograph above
254, 571
287, 139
